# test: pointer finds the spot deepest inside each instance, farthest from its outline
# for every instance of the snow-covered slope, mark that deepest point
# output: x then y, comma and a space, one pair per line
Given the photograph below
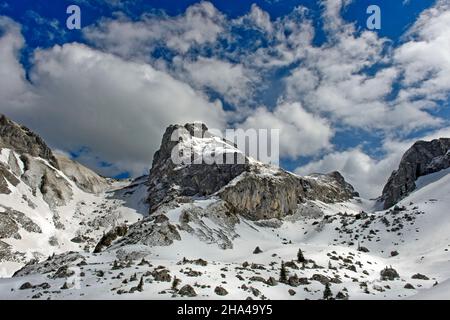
252, 231
343, 243
33, 225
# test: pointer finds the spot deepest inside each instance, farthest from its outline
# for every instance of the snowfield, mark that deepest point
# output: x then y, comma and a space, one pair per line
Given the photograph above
347, 247
250, 231
85, 216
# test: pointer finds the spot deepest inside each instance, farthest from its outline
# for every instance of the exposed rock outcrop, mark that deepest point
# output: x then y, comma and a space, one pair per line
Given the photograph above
23, 141
423, 158
5, 178
10, 220
169, 180
86, 179
258, 195
153, 231
56, 190
249, 188
110, 236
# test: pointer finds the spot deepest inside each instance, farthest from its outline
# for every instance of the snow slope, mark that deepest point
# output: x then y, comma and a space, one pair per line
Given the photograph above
331, 242
75, 225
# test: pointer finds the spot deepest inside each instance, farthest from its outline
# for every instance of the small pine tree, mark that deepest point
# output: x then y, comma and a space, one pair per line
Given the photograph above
140, 286
329, 265
327, 294
175, 283
300, 257
283, 273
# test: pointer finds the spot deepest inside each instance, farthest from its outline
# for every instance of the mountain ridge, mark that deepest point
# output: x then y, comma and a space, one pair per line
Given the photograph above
236, 233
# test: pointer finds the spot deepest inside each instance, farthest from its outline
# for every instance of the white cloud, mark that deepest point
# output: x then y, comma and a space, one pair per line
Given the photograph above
301, 133
424, 57
200, 24
232, 81
13, 87
366, 174
118, 109
259, 18
288, 38
332, 79
347, 81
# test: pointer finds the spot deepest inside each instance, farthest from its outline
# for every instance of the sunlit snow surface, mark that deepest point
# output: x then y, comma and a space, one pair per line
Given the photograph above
422, 244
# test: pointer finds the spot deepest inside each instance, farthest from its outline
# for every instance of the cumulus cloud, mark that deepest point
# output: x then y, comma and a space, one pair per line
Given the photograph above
200, 24
332, 78
13, 87
301, 133
366, 174
424, 57
117, 109
232, 81
140, 74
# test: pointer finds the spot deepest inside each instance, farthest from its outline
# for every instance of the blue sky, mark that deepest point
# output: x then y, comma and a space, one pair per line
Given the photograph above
345, 97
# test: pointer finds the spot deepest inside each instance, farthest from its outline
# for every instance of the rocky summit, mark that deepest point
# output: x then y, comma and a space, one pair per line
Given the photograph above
249, 188
194, 229
23, 141
423, 158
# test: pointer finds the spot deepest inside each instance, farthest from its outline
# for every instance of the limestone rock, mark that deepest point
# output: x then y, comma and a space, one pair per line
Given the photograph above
423, 158
86, 179
168, 179
24, 141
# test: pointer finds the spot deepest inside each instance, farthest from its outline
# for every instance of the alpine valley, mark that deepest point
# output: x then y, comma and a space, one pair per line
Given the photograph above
213, 231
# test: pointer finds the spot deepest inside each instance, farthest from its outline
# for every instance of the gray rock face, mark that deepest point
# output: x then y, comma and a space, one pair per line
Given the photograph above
260, 196
86, 179
5, 177
52, 264
248, 189
23, 141
258, 191
8, 254
152, 231
423, 158
168, 180
191, 220
56, 190
37, 174
110, 236
11, 220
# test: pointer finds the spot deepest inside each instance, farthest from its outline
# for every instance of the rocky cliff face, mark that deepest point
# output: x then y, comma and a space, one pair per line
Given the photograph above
423, 158
266, 193
30, 160
85, 179
49, 203
250, 189
169, 180
24, 141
